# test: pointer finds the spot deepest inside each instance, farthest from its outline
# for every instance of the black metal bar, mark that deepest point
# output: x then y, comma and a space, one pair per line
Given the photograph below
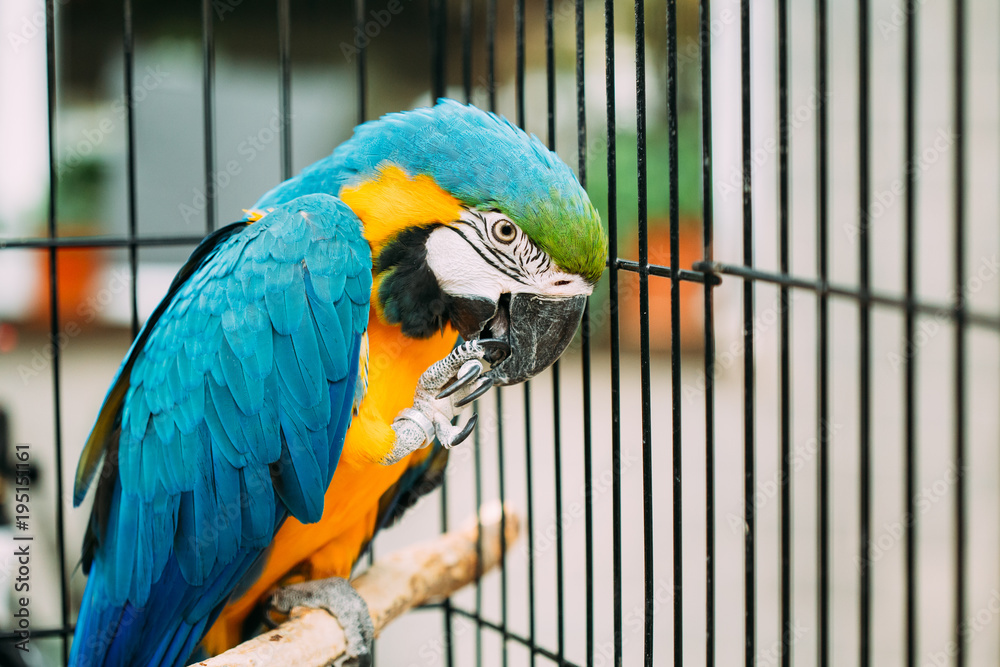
749, 453
467, 49
534, 648
588, 472
864, 321
960, 637
822, 347
823, 288
44, 633
695, 276
529, 477
909, 358
478, 485
550, 103
446, 604
502, 489
491, 29
557, 492
98, 242
644, 361
530, 523
491, 52
550, 76
439, 25
519, 62
362, 66
705, 37
466, 27
208, 109
675, 362
285, 89
128, 71
784, 648
53, 217
616, 436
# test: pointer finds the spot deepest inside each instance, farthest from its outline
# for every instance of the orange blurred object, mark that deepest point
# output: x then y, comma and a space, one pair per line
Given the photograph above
692, 318
77, 271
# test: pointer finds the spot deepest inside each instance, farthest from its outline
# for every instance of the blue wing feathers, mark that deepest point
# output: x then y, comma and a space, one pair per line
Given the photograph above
336, 434
190, 409
258, 515
331, 334
238, 400
291, 483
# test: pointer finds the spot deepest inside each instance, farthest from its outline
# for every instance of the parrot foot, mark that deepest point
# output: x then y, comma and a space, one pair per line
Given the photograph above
438, 398
342, 601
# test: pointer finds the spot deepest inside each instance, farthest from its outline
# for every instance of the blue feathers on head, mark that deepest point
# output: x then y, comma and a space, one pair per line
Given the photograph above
482, 160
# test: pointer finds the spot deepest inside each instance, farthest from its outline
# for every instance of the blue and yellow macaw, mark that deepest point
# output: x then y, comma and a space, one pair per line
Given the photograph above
264, 425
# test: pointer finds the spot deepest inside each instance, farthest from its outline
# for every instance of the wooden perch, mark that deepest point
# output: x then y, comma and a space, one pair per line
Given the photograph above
409, 578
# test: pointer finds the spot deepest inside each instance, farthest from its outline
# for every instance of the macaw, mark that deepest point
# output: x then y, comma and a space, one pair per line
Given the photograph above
264, 424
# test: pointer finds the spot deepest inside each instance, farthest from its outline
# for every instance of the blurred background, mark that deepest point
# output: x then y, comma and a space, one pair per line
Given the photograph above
190, 175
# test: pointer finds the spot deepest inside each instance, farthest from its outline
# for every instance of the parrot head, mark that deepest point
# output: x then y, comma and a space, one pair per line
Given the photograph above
475, 224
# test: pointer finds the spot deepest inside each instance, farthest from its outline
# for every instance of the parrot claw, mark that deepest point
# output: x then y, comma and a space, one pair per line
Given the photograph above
451, 439
470, 371
342, 601
498, 349
481, 389
444, 388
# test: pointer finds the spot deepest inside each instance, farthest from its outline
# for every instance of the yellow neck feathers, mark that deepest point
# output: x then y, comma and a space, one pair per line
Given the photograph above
394, 201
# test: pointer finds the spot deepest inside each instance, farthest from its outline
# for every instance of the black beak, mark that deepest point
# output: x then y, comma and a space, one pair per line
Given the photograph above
539, 329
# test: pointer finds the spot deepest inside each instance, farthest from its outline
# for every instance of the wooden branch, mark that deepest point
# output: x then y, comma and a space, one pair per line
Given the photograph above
422, 573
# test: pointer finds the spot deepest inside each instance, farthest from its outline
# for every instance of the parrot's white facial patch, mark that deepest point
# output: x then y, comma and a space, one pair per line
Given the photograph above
485, 254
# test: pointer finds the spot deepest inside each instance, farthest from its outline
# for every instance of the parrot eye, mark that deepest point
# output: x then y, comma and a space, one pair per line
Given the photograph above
504, 231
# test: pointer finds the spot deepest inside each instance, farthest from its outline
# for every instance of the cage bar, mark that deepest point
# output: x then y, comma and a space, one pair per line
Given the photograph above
705, 38
749, 443
823, 545
961, 636
910, 361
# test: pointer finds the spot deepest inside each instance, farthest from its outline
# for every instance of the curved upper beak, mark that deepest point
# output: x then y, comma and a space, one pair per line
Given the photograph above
539, 329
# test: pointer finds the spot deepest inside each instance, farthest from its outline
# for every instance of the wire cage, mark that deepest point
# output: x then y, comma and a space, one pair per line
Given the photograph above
774, 439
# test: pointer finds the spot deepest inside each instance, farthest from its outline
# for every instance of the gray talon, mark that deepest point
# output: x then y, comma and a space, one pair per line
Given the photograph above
483, 387
342, 601
465, 432
475, 368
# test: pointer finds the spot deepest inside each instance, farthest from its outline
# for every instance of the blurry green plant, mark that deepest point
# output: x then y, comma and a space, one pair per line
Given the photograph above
689, 205
657, 175
79, 191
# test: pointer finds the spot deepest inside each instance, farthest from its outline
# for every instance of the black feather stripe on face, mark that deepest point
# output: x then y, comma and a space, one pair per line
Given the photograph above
410, 295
